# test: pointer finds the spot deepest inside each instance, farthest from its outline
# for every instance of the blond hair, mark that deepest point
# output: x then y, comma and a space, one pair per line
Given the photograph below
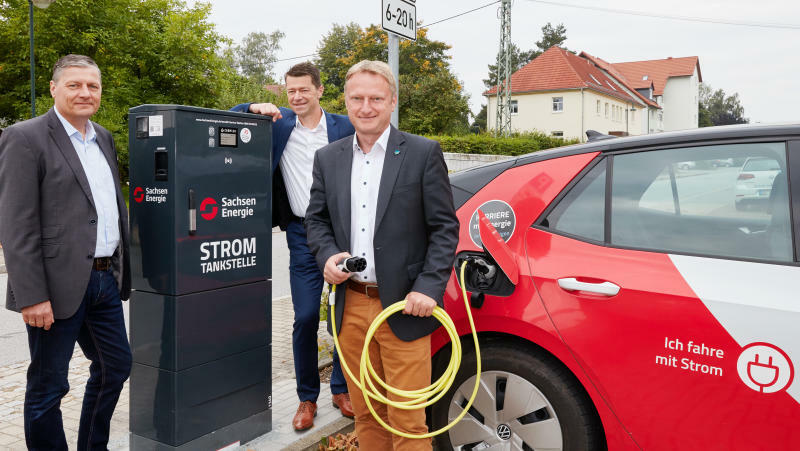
373, 67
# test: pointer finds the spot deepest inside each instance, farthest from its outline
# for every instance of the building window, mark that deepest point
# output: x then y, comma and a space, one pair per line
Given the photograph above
606, 110
558, 134
598, 108
514, 107
558, 104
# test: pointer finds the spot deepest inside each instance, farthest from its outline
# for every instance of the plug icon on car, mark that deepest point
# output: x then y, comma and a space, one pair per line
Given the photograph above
762, 374
765, 368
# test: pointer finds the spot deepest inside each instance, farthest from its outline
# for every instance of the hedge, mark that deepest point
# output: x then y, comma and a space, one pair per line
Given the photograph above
485, 143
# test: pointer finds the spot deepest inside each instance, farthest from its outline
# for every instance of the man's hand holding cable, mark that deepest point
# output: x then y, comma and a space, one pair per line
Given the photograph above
332, 274
418, 304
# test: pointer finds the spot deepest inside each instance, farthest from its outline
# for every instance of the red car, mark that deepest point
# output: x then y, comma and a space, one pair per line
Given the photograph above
625, 303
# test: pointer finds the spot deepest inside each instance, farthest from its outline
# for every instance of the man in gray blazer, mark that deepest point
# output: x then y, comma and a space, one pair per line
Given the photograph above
383, 195
64, 229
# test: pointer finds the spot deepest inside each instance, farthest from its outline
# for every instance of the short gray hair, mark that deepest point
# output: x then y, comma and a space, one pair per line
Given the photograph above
373, 67
73, 61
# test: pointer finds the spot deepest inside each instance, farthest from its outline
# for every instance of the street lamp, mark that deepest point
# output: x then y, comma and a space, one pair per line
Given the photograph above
39, 4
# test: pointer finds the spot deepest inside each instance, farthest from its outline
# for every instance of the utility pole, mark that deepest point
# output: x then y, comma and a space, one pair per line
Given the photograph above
394, 63
503, 114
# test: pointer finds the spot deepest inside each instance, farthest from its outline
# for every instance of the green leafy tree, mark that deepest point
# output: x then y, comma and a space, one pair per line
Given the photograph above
255, 57
149, 51
551, 35
431, 98
479, 123
717, 108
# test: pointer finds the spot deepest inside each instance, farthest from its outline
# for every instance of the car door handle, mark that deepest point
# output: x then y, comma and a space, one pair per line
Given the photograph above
604, 288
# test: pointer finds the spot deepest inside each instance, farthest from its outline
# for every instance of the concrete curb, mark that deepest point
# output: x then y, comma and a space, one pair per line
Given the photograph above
2, 262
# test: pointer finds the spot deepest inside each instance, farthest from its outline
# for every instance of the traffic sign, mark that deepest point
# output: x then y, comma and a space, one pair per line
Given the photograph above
399, 17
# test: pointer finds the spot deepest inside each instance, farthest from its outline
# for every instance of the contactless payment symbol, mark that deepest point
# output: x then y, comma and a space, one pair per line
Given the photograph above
138, 194
208, 209
765, 368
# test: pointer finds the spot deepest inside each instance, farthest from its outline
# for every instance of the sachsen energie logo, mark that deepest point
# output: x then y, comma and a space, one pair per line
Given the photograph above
229, 207
150, 195
208, 209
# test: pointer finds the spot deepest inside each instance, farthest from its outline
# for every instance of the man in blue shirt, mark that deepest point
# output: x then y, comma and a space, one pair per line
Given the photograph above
65, 239
297, 134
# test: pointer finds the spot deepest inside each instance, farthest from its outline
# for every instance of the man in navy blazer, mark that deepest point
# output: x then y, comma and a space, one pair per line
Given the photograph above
297, 134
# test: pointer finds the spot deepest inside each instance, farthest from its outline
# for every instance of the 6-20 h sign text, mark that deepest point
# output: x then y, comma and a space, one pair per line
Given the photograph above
399, 17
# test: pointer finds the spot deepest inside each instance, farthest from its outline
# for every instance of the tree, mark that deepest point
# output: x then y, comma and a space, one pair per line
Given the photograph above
431, 99
716, 108
149, 51
550, 36
480, 120
255, 58
517, 58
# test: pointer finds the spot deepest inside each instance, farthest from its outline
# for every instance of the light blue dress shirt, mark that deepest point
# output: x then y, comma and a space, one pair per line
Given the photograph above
101, 183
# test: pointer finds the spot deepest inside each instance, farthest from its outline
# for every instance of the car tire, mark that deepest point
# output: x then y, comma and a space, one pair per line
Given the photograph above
558, 413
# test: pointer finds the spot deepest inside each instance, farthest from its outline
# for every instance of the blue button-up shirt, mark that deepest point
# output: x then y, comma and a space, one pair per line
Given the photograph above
101, 183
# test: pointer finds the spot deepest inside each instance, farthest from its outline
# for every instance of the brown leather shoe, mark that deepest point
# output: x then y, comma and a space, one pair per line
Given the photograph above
342, 402
304, 418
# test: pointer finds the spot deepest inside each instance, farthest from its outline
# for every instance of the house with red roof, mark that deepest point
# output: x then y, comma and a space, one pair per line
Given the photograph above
564, 94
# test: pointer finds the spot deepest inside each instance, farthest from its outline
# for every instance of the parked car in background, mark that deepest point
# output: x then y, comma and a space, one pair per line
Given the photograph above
628, 308
722, 163
754, 183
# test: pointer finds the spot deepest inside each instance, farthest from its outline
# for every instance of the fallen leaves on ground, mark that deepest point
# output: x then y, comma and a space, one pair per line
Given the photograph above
339, 442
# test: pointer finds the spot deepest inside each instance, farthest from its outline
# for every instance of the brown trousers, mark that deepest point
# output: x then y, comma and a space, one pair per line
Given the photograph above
402, 364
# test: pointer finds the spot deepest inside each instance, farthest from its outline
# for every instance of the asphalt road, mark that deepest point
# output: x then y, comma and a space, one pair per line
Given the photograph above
14, 339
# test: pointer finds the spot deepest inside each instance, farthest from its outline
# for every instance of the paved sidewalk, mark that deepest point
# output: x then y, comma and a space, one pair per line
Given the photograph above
285, 401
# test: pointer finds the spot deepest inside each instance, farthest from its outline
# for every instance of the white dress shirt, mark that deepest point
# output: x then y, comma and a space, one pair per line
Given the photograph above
101, 183
365, 180
297, 162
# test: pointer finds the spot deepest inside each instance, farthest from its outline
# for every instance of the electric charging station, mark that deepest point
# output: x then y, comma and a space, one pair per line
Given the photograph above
200, 312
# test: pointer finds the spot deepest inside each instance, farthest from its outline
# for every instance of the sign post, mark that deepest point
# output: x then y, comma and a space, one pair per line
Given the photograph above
398, 19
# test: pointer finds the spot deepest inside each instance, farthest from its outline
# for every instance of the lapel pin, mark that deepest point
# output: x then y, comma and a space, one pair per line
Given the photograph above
397, 151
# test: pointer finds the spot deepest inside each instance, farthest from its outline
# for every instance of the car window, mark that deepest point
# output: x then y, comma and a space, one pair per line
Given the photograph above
761, 164
726, 200
582, 211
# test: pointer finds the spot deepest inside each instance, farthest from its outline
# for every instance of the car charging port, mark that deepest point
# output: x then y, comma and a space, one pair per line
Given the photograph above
482, 276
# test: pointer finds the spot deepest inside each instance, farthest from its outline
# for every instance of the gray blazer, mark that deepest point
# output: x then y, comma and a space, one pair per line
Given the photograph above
48, 222
416, 229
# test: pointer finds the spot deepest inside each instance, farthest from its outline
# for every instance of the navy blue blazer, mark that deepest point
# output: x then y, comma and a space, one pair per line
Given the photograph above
338, 127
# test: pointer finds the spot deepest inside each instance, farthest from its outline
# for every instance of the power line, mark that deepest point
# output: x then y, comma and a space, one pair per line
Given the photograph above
421, 26
296, 57
673, 17
459, 14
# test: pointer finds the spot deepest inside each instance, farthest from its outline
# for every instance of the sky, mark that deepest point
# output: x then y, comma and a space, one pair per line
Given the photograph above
760, 63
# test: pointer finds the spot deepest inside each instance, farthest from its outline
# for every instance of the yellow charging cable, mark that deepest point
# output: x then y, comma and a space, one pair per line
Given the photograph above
420, 398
